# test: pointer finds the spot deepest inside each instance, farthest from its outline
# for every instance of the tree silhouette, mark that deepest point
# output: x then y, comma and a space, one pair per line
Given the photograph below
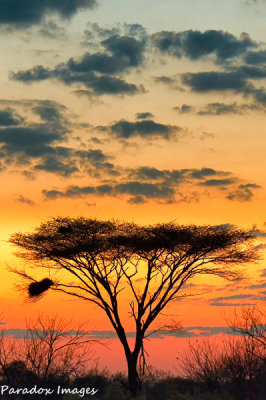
153, 262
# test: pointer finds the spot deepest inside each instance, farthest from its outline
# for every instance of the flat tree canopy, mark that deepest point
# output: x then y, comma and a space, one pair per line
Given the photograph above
153, 262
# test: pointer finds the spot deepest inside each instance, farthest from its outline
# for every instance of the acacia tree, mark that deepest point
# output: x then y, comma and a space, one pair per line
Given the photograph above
154, 262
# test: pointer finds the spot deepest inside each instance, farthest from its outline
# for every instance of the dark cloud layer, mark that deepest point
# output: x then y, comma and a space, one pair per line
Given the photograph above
243, 192
22, 13
144, 115
190, 331
218, 182
184, 109
238, 81
255, 57
145, 128
44, 146
49, 111
175, 176
220, 109
215, 81
32, 140
147, 183
100, 71
137, 189
25, 200
9, 117
196, 45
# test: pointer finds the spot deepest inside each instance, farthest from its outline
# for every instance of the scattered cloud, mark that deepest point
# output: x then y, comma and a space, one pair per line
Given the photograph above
51, 30
215, 81
238, 80
257, 286
243, 192
136, 189
25, 200
184, 109
218, 182
144, 115
224, 301
174, 176
164, 79
149, 190
196, 45
145, 128
234, 297
221, 304
191, 331
255, 57
9, 117
147, 183
220, 109
99, 71
50, 111
24, 13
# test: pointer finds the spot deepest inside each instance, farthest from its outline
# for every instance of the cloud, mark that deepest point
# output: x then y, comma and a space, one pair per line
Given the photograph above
223, 301
203, 172
72, 191
191, 331
99, 71
95, 31
24, 13
24, 200
225, 109
166, 80
204, 331
184, 109
145, 129
258, 286
215, 81
255, 57
50, 111
55, 165
9, 117
98, 84
234, 297
136, 189
196, 45
44, 146
238, 80
174, 176
143, 183
149, 190
220, 109
137, 200
66, 161
218, 304
217, 182
32, 140
243, 192
144, 115
52, 30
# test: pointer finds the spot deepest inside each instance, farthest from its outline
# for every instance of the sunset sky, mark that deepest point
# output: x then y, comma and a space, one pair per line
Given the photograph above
139, 110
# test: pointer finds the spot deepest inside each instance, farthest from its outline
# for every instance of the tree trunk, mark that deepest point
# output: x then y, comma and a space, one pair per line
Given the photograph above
133, 378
